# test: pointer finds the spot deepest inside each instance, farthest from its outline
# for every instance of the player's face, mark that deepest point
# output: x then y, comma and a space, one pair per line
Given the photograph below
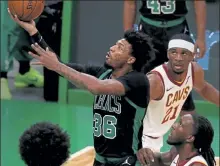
179, 59
119, 55
182, 131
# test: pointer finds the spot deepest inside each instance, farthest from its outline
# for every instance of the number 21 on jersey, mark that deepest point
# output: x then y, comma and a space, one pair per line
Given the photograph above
170, 114
157, 8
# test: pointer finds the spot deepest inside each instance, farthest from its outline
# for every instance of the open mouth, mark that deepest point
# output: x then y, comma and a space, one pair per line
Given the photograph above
108, 55
178, 66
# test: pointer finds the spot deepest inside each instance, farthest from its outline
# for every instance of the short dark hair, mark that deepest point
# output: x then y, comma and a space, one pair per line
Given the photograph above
182, 36
44, 144
142, 48
204, 134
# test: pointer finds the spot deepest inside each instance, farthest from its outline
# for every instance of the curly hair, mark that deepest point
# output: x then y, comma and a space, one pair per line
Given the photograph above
142, 48
44, 144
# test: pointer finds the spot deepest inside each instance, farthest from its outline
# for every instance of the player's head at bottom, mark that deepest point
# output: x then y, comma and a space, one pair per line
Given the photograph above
194, 132
180, 52
44, 144
131, 52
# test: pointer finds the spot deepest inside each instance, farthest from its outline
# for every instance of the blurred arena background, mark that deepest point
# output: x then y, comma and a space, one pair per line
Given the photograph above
73, 111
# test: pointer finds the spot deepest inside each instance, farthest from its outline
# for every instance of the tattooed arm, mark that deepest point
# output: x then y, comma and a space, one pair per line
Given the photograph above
90, 83
49, 59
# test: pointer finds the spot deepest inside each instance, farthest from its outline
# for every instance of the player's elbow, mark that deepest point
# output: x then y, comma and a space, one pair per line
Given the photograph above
100, 90
107, 87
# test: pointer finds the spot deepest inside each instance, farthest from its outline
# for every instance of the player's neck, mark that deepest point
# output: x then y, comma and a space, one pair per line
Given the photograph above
120, 72
186, 152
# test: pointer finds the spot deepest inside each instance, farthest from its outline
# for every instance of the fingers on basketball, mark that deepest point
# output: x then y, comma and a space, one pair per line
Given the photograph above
26, 10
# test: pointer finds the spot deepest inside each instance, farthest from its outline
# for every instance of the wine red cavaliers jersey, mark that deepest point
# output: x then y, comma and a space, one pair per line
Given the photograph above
194, 160
161, 114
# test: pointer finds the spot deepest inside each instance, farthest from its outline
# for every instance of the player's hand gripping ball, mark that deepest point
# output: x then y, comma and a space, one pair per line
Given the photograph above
26, 10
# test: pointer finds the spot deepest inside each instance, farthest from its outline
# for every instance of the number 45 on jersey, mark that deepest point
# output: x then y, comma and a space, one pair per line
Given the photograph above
156, 7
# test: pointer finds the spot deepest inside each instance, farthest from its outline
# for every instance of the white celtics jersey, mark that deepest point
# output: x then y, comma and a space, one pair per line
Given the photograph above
161, 114
196, 159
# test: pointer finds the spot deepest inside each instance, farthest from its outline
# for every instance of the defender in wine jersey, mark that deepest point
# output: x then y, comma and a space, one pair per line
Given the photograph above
121, 93
191, 138
162, 113
170, 84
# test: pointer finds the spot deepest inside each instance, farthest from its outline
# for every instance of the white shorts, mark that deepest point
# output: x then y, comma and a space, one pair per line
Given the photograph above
155, 144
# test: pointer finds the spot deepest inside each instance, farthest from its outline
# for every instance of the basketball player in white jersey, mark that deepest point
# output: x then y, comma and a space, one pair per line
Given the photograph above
170, 84
191, 138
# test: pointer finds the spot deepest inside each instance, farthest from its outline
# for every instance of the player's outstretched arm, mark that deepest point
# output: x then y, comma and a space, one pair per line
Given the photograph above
80, 80
200, 13
91, 83
205, 89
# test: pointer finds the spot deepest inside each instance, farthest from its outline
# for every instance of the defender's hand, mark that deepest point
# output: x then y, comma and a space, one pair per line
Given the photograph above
145, 156
200, 44
30, 27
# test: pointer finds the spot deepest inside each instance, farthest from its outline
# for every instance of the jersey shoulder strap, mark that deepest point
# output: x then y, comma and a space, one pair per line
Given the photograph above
103, 75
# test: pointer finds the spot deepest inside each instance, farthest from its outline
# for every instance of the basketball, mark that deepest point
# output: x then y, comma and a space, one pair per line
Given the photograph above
26, 10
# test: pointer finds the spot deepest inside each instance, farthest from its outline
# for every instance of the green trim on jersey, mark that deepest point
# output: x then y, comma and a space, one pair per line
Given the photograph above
139, 115
161, 23
105, 74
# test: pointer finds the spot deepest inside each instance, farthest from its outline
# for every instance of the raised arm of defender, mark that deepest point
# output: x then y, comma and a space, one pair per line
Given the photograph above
206, 90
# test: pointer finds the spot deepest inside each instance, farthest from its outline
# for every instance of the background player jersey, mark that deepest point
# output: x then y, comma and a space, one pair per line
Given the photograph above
117, 119
161, 114
196, 159
163, 10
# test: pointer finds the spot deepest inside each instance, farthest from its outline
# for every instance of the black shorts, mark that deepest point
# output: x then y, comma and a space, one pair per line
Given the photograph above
160, 38
126, 161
